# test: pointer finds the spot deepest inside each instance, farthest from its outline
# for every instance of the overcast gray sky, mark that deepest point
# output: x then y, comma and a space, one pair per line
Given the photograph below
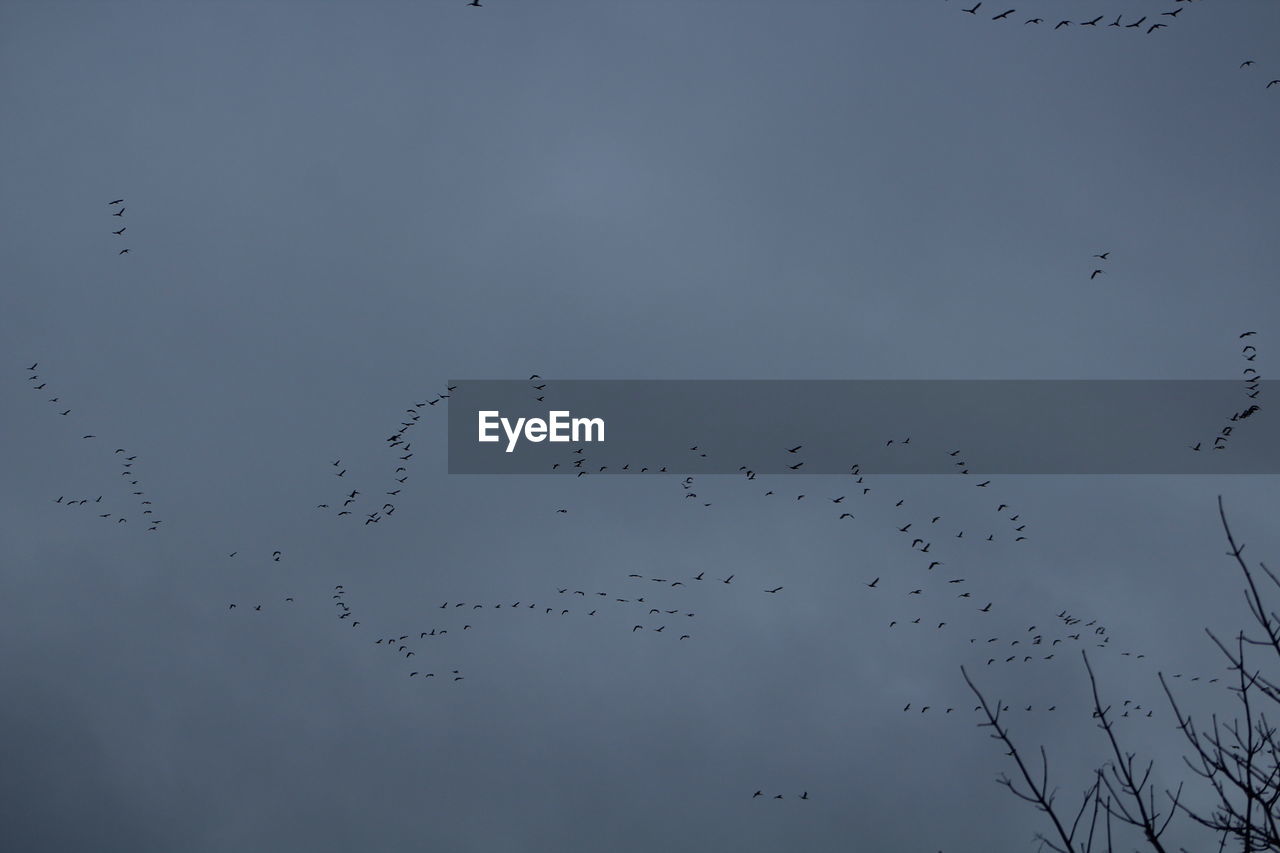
335, 208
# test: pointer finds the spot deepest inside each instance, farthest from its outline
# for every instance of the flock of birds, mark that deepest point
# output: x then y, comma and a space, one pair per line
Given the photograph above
123, 227
400, 446
1148, 24
143, 505
654, 605
1156, 22
928, 539
1252, 388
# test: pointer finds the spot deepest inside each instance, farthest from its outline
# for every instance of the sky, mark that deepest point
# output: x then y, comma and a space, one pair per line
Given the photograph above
334, 210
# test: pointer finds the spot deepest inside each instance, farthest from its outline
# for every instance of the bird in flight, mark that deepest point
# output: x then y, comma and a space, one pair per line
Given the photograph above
117, 201
1103, 256
123, 252
119, 212
1246, 63
974, 10
1095, 274
1273, 83
1004, 15
118, 233
778, 589
872, 585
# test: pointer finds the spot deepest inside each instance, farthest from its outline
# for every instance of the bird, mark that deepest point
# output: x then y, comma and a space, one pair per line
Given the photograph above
872, 585
1103, 256
974, 10
475, 3
1246, 63
117, 201
778, 589
1095, 274
1273, 83
119, 212
123, 252
118, 233
1062, 24
1004, 15
1155, 27
1092, 23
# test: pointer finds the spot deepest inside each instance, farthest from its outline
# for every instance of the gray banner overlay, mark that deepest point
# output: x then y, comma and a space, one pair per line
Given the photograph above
975, 427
